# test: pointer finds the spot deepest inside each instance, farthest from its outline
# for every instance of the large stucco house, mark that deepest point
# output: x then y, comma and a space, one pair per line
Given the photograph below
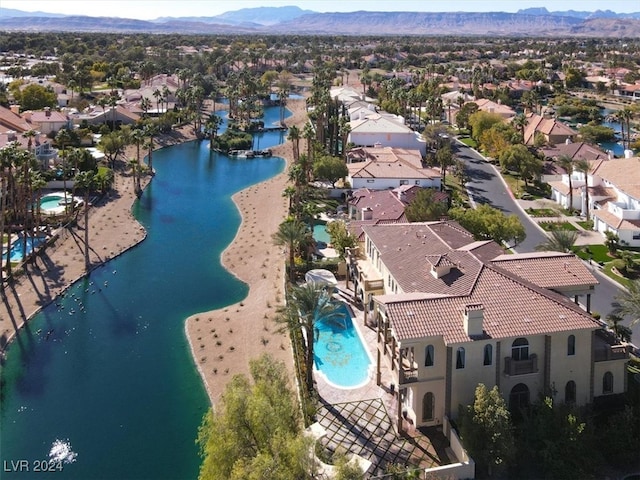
383, 167
370, 129
451, 312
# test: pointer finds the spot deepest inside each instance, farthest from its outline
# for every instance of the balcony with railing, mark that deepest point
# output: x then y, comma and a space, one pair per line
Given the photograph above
521, 367
608, 347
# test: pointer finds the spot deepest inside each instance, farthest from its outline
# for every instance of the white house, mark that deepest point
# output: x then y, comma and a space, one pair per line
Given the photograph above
381, 168
377, 129
617, 208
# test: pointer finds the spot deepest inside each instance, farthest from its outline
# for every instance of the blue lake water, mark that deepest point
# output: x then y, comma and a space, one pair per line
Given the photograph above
107, 368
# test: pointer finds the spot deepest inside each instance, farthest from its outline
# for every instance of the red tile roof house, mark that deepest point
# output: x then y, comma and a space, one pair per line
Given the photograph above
451, 312
48, 121
379, 168
554, 132
366, 206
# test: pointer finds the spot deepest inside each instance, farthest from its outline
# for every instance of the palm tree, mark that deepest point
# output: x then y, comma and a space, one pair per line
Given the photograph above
211, 128
519, 122
294, 136
559, 241
63, 138
306, 305
87, 181
566, 162
627, 303
584, 167
291, 233
622, 332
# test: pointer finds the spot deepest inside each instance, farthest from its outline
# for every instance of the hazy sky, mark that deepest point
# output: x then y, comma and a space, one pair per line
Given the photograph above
150, 9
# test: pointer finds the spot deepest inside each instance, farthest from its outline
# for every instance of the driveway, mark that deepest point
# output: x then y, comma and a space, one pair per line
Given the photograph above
485, 185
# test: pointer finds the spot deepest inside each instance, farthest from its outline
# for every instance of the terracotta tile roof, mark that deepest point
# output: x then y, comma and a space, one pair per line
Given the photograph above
547, 126
577, 151
383, 204
511, 309
13, 121
560, 186
40, 116
547, 269
623, 173
615, 222
385, 154
408, 252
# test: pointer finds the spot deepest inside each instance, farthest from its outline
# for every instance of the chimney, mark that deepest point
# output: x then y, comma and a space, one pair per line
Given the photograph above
27, 115
367, 213
15, 109
11, 136
473, 318
628, 153
47, 111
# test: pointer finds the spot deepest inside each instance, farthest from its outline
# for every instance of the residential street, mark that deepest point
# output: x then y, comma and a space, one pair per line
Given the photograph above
486, 186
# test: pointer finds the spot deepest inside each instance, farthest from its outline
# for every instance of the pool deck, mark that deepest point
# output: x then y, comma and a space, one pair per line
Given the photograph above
362, 420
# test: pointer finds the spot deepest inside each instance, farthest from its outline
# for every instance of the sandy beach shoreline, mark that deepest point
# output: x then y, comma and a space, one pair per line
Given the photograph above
221, 341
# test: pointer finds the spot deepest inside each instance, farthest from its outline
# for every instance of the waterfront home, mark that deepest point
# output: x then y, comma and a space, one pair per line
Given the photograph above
119, 115
617, 208
553, 131
451, 312
381, 168
379, 129
40, 146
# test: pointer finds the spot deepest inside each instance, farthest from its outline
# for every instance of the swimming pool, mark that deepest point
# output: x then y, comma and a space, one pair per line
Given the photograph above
320, 233
17, 248
339, 352
55, 202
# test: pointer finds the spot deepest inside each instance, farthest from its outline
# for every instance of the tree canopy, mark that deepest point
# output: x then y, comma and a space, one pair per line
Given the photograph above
255, 431
423, 207
488, 223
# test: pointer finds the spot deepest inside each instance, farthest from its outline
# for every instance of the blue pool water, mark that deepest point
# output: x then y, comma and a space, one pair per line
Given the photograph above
320, 233
51, 201
339, 352
107, 368
17, 248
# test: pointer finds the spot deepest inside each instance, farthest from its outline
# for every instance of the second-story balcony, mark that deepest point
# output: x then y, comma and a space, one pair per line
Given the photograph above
521, 367
408, 375
608, 347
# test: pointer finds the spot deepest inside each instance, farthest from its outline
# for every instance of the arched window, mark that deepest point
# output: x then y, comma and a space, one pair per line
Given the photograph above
520, 349
570, 392
428, 405
607, 383
488, 354
571, 345
519, 397
460, 358
428, 356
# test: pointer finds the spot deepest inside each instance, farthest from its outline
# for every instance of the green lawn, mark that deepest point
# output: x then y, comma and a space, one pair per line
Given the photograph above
598, 253
542, 212
469, 142
586, 225
549, 226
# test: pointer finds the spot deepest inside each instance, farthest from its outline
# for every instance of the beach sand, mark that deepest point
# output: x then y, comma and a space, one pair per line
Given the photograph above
222, 341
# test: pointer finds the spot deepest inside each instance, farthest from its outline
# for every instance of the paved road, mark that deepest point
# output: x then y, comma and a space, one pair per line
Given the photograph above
486, 186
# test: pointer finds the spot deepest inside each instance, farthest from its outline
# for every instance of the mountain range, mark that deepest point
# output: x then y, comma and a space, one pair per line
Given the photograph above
294, 20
